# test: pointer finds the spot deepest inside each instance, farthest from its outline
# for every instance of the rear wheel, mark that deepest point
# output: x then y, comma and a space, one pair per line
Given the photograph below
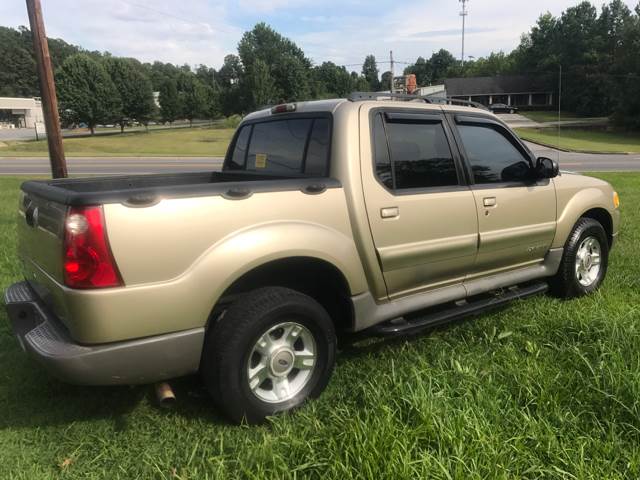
272, 349
584, 260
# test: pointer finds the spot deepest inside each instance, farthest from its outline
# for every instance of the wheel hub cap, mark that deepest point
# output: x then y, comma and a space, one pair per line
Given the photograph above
281, 362
588, 261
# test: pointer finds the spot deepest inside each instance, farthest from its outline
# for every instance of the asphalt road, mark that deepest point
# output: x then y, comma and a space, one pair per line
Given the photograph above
589, 162
27, 166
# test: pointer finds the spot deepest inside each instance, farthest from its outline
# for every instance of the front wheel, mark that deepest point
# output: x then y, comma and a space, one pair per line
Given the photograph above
271, 350
584, 260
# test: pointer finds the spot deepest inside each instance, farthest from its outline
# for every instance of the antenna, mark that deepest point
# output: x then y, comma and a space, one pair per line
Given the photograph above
463, 14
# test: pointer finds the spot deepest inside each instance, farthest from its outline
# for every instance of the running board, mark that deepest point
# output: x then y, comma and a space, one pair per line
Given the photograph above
463, 308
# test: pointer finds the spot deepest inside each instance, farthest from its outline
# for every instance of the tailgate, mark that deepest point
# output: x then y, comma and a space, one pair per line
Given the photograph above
40, 235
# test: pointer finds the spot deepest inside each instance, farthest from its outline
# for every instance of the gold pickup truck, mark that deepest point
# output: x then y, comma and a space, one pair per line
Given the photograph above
339, 215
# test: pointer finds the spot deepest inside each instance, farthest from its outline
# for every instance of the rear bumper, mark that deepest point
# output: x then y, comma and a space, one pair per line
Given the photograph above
138, 361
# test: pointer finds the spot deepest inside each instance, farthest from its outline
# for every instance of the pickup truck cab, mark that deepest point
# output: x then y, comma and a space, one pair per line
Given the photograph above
335, 215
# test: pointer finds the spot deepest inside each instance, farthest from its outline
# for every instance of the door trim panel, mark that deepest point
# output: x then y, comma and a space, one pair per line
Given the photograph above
416, 253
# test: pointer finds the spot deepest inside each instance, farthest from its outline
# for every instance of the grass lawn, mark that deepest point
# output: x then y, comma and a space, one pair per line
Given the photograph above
179, 142
584, 140
541, 389
543, 116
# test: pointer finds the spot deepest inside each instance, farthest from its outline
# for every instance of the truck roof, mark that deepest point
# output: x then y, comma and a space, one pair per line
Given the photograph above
332, 105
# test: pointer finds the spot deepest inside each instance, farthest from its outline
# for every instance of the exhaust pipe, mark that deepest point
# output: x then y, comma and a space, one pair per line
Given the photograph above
164, 394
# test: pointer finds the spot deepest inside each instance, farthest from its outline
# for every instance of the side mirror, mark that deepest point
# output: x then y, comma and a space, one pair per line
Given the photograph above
547, 168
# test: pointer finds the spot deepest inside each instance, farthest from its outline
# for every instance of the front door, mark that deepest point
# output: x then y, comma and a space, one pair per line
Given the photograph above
422, 214
516, 215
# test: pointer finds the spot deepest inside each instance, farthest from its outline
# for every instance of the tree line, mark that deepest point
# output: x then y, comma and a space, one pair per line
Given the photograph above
598, 51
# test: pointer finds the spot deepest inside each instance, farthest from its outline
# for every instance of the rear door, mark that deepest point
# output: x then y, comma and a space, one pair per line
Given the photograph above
421, 212
516, 215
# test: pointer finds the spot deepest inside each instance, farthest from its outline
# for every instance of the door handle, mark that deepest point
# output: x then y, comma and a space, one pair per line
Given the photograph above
489, 201
389, 212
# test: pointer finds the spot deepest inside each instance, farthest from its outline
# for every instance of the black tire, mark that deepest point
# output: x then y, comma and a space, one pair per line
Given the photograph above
565, 283
230, 341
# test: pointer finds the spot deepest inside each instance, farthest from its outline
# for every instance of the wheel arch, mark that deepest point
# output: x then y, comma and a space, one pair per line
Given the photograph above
604, 218
313, 276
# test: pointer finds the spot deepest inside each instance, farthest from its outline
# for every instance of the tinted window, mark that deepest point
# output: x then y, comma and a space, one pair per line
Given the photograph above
278, 147
318, 149
239, 153
493, 158
283, 147
381, 152
421, 156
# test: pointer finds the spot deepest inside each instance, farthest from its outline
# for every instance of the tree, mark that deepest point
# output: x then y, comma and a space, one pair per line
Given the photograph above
422, 70
333, 81
169, 101
290, 69
441, 62
17, 66
134, 88
228, 78
385, 81
263, 89
370, 73
86, 92
192, 96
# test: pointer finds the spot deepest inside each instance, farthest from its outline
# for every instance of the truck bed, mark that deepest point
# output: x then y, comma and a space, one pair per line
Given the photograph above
147, 189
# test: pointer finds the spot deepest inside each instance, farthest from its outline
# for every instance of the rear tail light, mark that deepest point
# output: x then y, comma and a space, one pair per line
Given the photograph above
88, 261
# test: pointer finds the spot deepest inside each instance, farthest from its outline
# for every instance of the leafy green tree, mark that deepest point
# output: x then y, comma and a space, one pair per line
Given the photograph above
86, 92
17, 66
385, 80
262, 86
421, 69
134, 88
169, 101
289, 67
333, 81
370, 73
192, 95
441, 61
228, 79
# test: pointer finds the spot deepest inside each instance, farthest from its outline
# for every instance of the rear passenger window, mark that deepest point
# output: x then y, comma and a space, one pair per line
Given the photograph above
381, 152
318, 150
493, 158
240, 150
412, 155
294, 146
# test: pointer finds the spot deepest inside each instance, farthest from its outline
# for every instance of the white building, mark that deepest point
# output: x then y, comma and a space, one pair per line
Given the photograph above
20, 112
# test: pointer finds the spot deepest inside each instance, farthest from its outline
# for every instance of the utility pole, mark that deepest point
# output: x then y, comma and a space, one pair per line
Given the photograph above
391, 69
47, 90
463, 14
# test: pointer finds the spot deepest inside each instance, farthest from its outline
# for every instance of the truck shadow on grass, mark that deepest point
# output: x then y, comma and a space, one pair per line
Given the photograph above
30, 397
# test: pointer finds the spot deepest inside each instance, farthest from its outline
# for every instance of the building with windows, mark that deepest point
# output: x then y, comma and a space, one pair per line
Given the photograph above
516, 90
20, 112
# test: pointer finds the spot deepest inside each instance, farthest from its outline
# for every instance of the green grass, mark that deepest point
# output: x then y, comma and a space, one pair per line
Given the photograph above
541, 389
543, 116
583, 140
177, 142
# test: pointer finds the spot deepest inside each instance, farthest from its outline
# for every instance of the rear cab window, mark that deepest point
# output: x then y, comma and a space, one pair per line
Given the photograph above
293, 146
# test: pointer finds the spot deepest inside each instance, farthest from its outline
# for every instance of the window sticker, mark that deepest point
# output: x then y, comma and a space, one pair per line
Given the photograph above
261, 160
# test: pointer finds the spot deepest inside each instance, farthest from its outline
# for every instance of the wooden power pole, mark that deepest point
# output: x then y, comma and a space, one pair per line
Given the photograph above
47, 90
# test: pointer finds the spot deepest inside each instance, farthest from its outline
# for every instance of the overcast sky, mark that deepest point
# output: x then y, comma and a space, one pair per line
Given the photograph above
344, 31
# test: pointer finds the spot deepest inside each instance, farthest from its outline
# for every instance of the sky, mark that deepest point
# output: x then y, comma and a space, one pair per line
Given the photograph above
343, 31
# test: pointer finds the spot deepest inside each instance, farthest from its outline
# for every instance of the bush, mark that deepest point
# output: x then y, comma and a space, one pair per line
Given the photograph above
233, 121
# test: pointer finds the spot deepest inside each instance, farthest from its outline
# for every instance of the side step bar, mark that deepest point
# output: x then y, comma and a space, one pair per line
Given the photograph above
460, 309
